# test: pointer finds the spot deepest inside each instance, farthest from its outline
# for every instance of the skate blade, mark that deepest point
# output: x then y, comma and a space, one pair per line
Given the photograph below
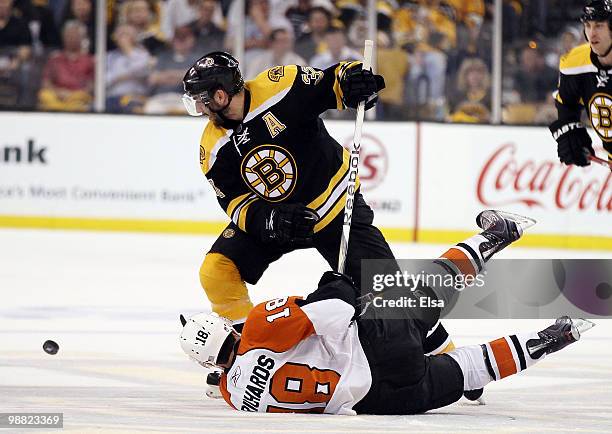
581, 325
486, 218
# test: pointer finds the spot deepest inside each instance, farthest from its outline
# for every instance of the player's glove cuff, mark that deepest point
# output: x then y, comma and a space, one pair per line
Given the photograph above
573, 142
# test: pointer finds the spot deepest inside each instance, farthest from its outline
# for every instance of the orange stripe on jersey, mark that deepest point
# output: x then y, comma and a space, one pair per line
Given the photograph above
503, 357
224, 392
276, 325
461, 260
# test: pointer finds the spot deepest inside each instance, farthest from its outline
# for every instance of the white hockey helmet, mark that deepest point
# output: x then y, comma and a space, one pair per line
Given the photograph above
203, 337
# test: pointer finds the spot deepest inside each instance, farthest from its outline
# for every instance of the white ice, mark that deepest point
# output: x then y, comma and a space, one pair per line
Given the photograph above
112, 300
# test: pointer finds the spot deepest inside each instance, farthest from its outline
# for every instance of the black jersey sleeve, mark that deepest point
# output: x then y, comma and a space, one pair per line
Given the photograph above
567, 98
320, 89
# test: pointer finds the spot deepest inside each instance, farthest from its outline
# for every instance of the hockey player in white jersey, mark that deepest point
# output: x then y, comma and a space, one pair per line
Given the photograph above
317, 355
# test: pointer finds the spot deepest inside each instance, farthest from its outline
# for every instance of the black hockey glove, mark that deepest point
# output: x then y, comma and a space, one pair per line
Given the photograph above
290, 225
360, 85
573, 142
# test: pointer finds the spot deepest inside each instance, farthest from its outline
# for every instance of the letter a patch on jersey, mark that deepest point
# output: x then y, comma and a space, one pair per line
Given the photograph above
274, 125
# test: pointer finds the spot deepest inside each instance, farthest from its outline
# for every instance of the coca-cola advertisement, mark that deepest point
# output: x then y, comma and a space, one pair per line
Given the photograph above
510, 177
467, 168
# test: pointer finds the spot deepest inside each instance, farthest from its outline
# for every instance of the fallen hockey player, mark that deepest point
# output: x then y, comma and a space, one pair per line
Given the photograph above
318, 355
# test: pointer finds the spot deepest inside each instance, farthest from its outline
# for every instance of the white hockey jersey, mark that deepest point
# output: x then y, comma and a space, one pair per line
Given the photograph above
299, 356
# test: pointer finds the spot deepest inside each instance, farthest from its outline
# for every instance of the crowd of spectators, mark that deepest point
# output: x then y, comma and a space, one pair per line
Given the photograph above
436, 55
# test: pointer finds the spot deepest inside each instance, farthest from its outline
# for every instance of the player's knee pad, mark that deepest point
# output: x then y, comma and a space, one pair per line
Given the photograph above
224, 287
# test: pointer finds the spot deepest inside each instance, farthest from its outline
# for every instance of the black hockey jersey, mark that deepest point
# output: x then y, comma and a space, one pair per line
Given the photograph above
585, 83
281, 152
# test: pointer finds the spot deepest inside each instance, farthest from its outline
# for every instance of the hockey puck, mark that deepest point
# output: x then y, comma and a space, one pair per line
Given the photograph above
50, 347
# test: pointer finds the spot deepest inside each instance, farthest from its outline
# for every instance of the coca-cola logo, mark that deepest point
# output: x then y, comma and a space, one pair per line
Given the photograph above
373, 161
506, 178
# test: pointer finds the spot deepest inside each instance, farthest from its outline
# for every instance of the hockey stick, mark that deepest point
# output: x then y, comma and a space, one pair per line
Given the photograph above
600, 161
353, 167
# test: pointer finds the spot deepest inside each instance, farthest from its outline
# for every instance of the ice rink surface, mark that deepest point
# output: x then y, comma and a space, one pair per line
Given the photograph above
112, 301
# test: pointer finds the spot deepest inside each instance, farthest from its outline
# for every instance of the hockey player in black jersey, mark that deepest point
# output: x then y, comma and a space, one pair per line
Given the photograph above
278, 174
584, 82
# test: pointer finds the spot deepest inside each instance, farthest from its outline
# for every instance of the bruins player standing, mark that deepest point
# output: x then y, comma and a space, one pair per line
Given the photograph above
585, 81
278, 174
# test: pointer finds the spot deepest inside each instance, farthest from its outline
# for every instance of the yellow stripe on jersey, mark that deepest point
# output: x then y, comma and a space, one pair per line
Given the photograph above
339, 206
334, 211
332, 183
339, 72
242, 214
234, 203
210, 137
270, 83
577, 61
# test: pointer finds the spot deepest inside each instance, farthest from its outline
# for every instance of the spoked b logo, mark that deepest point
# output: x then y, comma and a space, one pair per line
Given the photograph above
270, 172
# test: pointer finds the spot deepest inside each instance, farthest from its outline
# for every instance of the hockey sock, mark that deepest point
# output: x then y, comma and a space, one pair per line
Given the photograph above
461, 262
224, 287
494, 360
461, 259
437, 341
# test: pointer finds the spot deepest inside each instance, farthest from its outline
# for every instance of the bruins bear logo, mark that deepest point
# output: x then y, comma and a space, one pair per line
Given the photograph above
276, 73
600, 112
270, 172
202, 155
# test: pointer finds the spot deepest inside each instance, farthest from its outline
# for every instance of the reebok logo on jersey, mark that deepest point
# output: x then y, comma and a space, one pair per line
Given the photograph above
236, 375
602, 79
257, 383
241, 138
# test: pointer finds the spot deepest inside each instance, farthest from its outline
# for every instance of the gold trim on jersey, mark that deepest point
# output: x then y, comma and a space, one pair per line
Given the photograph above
213, 138
339, 72
577, 61
238, 207
241, 220
266, 92
329, 203
234, 204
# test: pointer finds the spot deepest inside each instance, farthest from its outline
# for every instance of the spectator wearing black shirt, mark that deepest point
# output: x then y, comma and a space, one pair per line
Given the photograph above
313, 41
298, 16
14, 31
534, 80
209, 37
15, 41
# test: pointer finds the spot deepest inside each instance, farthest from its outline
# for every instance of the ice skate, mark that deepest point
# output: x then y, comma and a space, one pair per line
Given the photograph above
500, 228
559, 335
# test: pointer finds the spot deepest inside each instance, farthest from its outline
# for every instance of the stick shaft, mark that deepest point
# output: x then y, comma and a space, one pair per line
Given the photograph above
600, 161
353, 167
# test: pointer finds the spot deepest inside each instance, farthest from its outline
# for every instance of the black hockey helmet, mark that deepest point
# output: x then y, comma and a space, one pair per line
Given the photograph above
216, 70
597, 10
